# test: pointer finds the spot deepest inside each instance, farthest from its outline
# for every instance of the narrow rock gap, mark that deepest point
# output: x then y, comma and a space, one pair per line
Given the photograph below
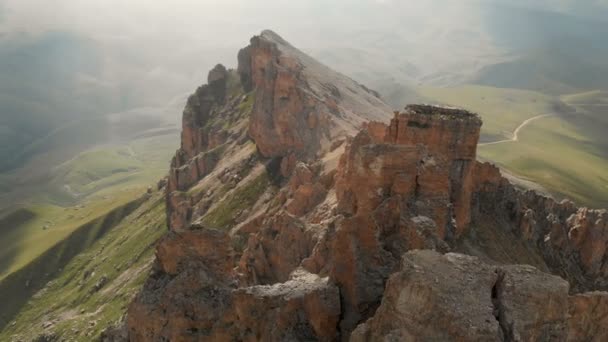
506, 331
340, 328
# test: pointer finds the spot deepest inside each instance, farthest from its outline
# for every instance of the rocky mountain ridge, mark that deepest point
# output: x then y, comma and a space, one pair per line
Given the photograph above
295, 214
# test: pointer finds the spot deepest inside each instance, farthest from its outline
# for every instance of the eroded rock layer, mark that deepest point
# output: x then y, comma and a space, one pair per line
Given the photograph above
294, 212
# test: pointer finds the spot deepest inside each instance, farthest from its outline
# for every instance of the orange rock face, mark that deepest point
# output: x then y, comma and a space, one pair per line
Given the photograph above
300, 105
279, 122
426, 154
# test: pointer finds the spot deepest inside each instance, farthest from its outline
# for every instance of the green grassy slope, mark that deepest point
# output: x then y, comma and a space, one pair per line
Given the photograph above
76, 192
139, 162
92, 290
28, 232
109, 168
557, 155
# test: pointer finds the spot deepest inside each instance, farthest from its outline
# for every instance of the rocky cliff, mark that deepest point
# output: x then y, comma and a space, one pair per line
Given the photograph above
297, 214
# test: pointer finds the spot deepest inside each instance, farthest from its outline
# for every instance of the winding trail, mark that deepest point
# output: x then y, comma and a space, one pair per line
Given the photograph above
516, 131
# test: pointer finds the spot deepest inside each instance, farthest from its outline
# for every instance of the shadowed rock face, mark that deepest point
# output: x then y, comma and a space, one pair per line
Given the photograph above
297, 214
572, 241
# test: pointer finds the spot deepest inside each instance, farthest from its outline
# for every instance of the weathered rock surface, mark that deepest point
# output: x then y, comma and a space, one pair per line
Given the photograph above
199, 305
588, 317
531, 306
455, 297
400, 187
305, 308
435, 298
294, 216
572, 241
300, 104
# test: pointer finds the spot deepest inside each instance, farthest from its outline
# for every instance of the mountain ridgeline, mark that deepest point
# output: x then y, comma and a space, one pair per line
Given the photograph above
302, 208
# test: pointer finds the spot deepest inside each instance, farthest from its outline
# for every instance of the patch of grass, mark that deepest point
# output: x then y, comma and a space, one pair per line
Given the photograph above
247, 106
226, 121
225, 213
70, 300
233, 85
108, 168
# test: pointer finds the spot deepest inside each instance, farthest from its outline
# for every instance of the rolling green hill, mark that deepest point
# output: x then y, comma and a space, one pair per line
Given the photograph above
48, 207
83, 284
29, 232
558, 155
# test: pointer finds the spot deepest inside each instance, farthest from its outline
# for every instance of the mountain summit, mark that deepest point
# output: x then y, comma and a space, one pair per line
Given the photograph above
302, 208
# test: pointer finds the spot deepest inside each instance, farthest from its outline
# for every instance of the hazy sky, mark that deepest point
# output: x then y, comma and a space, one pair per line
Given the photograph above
143, 16
178, 41
224, 21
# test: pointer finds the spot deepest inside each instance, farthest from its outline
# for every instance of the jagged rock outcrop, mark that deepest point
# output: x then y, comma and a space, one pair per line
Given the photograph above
300, 104
426, 155
572, 241
456, 297
399, 187
294, 213
194, 295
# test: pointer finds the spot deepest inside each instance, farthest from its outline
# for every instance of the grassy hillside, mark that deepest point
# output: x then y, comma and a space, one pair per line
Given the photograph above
550, 51
556, 154
138, 163
47, 179
62, 200
93, 288
28, 232
57, 89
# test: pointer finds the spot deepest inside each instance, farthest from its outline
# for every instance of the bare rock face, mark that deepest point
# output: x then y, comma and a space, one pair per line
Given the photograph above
196, 306
211, 116
435, 298
275, 249
588, 317
532, 306
305, 308
295, 214
300, 104
222, 275
438, 143
400, 187
454, 297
